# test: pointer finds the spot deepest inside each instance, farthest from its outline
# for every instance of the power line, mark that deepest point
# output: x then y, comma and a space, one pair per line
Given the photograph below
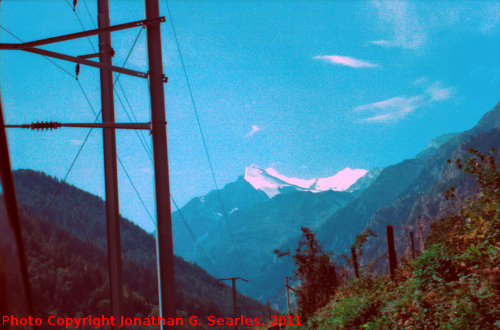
90, 15
203, 138
81, 24
143, 143
136, 191
276, 294
89, 132
45, 57
186, 224
128, 55
114, 83
195, 239
84, 141
49, 205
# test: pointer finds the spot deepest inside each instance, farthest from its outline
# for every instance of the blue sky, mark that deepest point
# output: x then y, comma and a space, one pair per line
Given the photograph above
305, 87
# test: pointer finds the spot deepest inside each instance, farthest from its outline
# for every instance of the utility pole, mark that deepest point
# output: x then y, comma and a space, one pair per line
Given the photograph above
13, 219
268, 310
110, 166
235, 303
393, 261
164, 223
288, 295
355, 261
165, 247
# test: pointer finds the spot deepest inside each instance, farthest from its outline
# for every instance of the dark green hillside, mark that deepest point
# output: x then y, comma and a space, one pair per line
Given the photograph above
68, 260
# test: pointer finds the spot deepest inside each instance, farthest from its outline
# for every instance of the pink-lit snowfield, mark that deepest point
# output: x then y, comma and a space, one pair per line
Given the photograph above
270, 181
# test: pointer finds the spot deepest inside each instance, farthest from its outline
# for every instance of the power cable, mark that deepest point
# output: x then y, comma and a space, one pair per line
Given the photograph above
186, 224
84, 141
148, 151
81, 24
45, 57
144, 145
203, 139
136, 191
114, 83
90, 130
144, 142
273, 298
89, 13
49, 205
195, 239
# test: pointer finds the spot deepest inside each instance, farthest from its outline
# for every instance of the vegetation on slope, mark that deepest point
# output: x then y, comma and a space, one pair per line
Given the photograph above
454, 284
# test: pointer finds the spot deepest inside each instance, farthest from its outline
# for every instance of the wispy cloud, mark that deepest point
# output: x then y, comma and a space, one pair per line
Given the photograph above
397, 108
254, 130
420, 81
438, 92
391, 109
382, 43
490, 17
401, 23
345, 61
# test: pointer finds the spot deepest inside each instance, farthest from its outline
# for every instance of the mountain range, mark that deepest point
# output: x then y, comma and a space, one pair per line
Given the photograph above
264, 210
233, 231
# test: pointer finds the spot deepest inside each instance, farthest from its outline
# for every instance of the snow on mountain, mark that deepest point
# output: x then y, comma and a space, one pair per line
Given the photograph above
272, 183
340, 181
265, 181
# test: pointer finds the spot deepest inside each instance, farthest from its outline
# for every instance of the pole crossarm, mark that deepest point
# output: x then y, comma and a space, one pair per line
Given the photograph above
49, 125
89, 55
230, 279
31, 44
235, 300
86, 62
291, 288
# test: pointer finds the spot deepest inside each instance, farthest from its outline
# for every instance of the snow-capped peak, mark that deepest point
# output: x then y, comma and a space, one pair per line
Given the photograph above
272, 183
260, 179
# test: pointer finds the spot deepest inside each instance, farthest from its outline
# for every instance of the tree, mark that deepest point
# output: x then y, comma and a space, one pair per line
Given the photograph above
315, 272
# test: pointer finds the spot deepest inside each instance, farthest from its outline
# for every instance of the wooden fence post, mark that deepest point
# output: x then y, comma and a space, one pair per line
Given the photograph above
393, 261
355, 261
412, 241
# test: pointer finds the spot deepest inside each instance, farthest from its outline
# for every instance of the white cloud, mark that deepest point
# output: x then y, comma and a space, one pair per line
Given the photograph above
439, 93
396, 108
391, 109
346, 61
254, 130
401, 22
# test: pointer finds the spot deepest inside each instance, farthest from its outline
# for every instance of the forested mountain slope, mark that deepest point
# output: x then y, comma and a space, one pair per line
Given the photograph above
67, 257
